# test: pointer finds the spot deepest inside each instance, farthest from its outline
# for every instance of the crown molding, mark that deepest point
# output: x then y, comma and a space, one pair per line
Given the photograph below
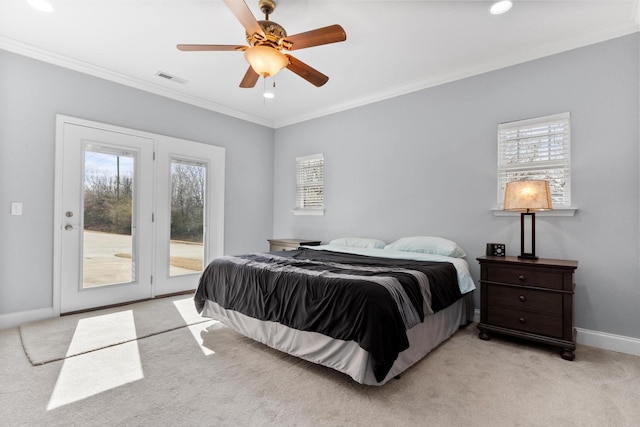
623, 29
503, 62
126, 80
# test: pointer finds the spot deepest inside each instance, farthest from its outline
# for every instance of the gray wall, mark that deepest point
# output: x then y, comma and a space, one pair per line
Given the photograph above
33, 92
425, 164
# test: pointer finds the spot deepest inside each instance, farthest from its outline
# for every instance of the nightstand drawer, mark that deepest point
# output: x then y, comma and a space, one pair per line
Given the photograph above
275, 248
525, 299
526, 321
525, 276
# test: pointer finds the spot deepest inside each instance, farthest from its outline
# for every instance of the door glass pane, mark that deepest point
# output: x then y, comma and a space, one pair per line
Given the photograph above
108, 257
186, 250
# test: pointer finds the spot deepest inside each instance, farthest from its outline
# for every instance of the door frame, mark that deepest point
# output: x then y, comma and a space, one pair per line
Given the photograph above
215, 210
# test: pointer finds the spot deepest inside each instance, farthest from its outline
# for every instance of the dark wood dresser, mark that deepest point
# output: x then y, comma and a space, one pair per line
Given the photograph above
290, 244
530, 299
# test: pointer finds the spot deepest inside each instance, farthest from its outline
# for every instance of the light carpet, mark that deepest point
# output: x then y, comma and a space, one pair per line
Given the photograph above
55, 339
208, 375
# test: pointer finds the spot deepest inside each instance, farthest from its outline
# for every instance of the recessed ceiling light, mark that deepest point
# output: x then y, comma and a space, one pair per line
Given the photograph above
500, 7
41, 5
269, 95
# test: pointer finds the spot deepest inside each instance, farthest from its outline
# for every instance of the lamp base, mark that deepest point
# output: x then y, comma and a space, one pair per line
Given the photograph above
532, 254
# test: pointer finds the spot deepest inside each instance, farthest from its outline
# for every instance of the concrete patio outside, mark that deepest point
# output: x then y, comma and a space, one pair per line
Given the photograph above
107, 258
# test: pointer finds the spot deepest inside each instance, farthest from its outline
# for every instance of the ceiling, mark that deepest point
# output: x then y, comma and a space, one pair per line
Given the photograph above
392, 47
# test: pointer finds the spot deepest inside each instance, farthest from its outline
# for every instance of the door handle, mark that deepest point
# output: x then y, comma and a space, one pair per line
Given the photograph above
69, 227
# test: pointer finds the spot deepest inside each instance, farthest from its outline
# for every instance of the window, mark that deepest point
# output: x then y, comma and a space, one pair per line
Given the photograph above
188, 193
537, 149
309, 185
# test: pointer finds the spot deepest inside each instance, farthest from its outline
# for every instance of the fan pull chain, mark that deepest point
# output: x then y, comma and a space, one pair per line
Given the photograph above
266, 93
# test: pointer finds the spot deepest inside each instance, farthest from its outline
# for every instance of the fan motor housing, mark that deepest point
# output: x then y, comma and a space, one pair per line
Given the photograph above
273, 31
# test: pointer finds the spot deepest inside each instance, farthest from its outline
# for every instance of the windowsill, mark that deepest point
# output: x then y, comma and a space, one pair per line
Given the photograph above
554, 212
308, 211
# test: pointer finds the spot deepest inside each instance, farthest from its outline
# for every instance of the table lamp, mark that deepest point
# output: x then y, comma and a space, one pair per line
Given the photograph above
527, 197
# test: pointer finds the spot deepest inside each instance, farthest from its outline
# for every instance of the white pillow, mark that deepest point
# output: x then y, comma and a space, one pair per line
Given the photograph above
428, 245
358, 242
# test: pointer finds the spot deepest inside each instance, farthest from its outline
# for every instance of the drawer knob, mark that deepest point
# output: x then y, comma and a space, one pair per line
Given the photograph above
522, 278
521, 320
522, 298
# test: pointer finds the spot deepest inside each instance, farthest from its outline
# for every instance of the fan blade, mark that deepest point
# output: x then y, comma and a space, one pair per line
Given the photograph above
308, 73
317, 37
210, 47
250, 78
240, 9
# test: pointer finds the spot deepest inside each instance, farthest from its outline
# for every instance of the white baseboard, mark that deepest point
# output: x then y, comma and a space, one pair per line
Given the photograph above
603, 340
15, 319
607, 341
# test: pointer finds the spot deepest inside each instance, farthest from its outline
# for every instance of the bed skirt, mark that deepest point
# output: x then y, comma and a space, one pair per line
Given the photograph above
347, 356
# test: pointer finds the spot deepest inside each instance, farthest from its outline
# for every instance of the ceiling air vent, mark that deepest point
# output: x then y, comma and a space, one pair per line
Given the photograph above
170, 77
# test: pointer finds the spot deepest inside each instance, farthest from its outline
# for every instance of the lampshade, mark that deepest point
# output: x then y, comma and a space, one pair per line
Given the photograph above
265, 60
527, 196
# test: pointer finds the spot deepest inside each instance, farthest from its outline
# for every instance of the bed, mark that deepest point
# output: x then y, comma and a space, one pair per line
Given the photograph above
360, 306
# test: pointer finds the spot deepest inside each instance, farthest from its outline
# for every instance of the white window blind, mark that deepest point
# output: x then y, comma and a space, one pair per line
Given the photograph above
310, 183
537, 149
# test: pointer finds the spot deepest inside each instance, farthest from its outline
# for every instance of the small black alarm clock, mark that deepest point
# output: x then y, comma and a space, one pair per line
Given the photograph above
495, 249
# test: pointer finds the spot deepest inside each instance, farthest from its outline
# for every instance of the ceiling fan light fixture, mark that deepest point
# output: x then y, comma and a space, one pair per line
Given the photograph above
266, 39
500, 7
266, 61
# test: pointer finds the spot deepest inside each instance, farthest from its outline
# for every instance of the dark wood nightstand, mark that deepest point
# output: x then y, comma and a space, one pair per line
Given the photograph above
530, 299
290, 244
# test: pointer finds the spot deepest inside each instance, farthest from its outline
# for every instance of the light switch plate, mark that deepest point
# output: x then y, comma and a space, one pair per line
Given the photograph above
16, 208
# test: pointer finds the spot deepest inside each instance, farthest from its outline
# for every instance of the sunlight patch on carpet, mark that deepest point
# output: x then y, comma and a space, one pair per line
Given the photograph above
197, 331
188, 312
91, 373
102, 331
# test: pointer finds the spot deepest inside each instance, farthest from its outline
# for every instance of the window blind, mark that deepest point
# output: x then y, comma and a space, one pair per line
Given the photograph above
310, 182
536, 149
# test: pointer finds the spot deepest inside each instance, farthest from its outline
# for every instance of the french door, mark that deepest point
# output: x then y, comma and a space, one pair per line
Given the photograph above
189, 212
137, 214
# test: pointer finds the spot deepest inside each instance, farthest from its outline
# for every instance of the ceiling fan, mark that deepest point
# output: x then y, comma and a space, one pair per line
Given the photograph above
266, 40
